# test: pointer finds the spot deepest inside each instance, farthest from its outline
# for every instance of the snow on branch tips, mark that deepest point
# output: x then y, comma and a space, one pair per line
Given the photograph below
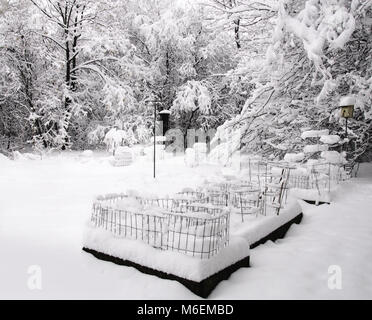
193, 96
118, 97
318, 24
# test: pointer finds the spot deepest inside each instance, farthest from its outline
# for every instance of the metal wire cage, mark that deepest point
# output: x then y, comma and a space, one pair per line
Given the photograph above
200, 237
190, 195
321, 175
248, 201
299, 181
198, 231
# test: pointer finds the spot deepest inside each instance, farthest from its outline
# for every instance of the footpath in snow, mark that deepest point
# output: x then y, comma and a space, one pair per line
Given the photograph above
45, 203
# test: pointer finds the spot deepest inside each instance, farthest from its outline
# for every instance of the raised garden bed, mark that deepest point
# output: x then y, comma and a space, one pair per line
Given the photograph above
201, 288
278, 233
200, 275
198, 238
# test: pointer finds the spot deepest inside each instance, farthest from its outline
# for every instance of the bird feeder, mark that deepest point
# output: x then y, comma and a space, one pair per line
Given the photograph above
347, 109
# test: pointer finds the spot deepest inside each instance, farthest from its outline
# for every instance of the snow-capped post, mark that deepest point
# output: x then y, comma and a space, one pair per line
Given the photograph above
347, 109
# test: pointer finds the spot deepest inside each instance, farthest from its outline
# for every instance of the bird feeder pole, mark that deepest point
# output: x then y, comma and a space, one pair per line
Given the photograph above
346, 127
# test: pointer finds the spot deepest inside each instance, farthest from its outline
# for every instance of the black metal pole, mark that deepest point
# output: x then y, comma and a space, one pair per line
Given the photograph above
346, 127
154, 137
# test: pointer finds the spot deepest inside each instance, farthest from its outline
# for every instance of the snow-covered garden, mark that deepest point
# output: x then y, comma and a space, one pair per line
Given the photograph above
46, 228
180, 149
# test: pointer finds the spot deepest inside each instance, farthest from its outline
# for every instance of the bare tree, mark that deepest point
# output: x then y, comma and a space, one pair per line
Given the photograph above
70, 17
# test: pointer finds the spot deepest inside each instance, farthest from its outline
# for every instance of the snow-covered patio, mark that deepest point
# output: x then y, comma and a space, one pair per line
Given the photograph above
45, 204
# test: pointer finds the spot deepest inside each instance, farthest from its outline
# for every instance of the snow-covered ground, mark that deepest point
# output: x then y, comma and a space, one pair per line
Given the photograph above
44, 205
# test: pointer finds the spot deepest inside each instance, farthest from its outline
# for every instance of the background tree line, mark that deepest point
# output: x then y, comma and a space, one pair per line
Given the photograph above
73, 69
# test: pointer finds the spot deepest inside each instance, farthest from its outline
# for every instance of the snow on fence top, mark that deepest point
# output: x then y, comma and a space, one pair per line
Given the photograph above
333, 157
330, 139
294, 157
314, 133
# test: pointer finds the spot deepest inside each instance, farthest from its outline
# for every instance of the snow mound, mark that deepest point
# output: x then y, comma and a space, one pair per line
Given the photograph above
4, 157
123, 150
24, 156
87, 153
190, 157
128, 204
294, 157
314, 133
330, 139
315, 148
333, 157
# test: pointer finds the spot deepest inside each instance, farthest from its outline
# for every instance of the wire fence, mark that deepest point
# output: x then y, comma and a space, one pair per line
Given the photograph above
299, 181
198, 231
319, 176
259, 171
254, 197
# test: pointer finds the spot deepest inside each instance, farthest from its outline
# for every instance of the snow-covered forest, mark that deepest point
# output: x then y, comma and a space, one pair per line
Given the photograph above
72, 70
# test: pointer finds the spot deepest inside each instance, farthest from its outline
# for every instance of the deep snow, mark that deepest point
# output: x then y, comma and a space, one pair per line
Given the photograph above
44, 205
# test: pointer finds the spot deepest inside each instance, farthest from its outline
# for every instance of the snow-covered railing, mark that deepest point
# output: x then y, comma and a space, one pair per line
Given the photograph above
199, 231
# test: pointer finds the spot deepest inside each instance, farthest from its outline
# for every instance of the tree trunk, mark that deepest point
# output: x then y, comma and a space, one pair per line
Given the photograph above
188, 127
237, 36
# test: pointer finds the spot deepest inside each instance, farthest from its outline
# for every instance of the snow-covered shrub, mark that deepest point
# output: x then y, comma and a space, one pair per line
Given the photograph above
87, 153
333, 157
115, 138
97, 136
192, 97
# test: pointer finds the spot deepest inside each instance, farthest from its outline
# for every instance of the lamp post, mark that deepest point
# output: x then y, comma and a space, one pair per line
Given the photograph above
154, 104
